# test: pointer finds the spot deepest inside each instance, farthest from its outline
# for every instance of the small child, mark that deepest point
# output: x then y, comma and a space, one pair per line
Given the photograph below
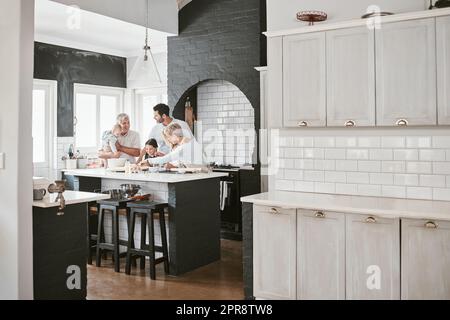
109, 140
150, 151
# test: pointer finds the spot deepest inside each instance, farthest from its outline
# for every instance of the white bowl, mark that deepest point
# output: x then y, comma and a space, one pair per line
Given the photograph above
116, 163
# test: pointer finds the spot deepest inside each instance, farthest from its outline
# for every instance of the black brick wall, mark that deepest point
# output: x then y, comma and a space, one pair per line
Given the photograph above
69, 66
219, 39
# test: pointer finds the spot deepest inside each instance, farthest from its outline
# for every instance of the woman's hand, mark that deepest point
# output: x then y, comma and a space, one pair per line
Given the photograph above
169, 166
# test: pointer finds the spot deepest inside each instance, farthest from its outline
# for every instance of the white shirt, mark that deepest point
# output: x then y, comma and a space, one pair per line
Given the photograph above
190, 153
157, 134
130, 140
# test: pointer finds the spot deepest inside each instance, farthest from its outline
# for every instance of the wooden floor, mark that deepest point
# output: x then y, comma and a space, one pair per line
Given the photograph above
219, 281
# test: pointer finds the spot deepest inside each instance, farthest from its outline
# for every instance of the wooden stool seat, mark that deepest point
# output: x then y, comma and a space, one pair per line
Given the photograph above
147, 210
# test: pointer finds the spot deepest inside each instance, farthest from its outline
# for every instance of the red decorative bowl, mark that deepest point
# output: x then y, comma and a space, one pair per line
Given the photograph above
311, 16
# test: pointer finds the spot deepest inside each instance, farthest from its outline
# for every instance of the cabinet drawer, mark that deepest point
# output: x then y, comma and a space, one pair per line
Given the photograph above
425, 259
372, 258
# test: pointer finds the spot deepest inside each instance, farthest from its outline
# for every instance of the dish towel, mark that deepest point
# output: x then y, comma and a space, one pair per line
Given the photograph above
223, 194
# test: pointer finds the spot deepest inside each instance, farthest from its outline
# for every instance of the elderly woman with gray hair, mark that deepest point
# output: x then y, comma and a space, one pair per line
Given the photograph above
184, 151
129, 143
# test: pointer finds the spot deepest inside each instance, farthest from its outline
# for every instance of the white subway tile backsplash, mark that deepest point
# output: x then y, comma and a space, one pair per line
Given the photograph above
420, 193
432, 155
381, 154
346, 142
416, 166
382, 178
434, 181
369, 166
407, 155
284, 185
442, 142
393, 191
358, 154
369, 142
406, 179
317, 176
393, 142
346, 165
324, 187
335, 176
393, 166
418, 142
419, 167
358, 177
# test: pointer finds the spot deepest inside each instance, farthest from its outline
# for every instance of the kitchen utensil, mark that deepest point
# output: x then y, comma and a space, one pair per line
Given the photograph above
59, 187
39, 194
376, 14
130, 190
116, 194
312, 16
145, 197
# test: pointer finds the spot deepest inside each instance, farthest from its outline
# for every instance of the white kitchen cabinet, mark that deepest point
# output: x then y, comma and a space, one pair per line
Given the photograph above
320, 255
274, 253
406, 73
425, 259
350, 77
275, 83
304, 80
372, 258
443, 69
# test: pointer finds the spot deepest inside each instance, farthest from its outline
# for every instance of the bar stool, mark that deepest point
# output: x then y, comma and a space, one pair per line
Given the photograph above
147, 211
92, 227
112, 207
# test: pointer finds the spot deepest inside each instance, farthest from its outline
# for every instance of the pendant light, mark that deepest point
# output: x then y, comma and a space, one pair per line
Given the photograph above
145, 70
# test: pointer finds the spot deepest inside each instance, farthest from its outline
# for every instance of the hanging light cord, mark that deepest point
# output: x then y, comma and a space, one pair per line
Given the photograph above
146, 47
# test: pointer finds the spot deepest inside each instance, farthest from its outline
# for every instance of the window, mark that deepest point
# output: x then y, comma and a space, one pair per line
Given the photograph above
145, 101
43, 114
96, 109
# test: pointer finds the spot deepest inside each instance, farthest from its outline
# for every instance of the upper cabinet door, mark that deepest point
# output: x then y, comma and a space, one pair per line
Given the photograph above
351, 77
443, 68
373, 258
320, 255
274, 253
406, 73
425, 260
304, 80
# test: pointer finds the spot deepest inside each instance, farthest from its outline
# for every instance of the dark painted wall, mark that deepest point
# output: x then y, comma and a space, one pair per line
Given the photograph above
218, 39
69, 66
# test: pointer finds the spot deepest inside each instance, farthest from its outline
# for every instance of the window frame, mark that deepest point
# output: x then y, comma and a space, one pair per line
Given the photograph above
51, 93
98, 91
139, 95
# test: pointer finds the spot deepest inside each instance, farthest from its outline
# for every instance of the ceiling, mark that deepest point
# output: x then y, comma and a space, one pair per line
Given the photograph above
94, 32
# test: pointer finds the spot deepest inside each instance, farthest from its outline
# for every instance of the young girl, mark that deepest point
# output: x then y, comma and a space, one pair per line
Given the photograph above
150, 151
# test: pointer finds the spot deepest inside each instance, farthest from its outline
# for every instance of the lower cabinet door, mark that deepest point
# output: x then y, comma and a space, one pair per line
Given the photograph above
425, 260
373, 258
320, 255
274, 253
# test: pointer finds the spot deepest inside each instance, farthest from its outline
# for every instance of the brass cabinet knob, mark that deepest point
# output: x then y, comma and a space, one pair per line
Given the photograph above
303, 124
402, 123
350, 123
320, 214
371, 220
274, 211
431, 225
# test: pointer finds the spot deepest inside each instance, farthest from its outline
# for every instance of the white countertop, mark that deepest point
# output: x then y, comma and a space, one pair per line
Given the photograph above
149, 177
376, 206
71, 197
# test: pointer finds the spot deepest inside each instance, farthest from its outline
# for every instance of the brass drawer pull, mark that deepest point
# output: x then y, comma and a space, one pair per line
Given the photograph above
431, 225
274, 211
402, 123
320, 215
303, 124
350, 123
371, 220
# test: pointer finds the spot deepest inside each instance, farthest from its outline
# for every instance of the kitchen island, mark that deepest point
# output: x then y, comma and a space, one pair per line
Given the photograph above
193, 214
59, 246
